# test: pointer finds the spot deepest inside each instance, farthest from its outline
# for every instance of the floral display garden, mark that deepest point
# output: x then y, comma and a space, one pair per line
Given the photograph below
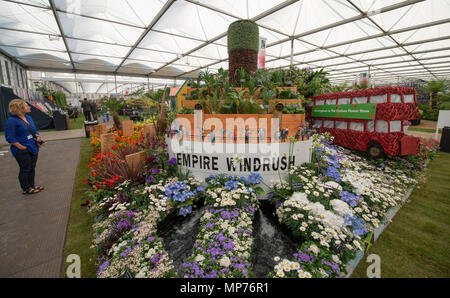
155, 218
330, 208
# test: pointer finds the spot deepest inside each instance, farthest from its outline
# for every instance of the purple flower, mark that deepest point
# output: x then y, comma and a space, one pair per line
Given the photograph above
149, 179
103, 267
172, 161
156, 171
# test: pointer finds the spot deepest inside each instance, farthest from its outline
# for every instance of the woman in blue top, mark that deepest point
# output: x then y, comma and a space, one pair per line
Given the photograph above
23, 144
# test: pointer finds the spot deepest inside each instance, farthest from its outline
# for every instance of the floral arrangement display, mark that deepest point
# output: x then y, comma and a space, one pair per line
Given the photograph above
126, 225
128, 209
331, 206
121, 140
224, 242
311, 261
335, 202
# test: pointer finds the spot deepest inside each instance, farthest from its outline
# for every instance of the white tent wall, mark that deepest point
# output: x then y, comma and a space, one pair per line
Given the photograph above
14, 75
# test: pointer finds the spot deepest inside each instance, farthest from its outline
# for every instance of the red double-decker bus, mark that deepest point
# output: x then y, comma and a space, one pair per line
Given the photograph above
371, 120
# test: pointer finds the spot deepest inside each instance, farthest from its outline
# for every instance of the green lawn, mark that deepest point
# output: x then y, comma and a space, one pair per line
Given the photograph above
416, 243
79, 231
423, 129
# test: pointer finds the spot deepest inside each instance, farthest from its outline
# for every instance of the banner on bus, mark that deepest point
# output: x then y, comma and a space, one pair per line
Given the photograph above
349, 111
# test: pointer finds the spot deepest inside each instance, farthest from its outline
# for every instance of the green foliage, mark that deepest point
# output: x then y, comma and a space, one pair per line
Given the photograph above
114, 105
340, 88
443, 101
237, 104
266, 95
293, 108
171, 116
428, 113
243, 34
439, 92
138, 92
60, 99
287, 94
214, 101
311, 83
194, 94
186, 110
157, 95
437, 86
140, 103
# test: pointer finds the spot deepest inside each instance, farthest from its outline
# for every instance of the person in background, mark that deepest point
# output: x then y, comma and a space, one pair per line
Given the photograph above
94, 109
86, 106
23, 136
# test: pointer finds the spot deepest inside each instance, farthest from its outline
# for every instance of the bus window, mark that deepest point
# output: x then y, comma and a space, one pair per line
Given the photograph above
320, 102
396, 126
359, 100
328, 123
409, 98
378, 98
382, 126
396, 98
343, 101
317, 123
330, 102
341, 124
358, 126
370, 125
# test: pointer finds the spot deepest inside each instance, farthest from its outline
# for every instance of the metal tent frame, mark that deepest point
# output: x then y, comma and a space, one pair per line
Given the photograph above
176, 39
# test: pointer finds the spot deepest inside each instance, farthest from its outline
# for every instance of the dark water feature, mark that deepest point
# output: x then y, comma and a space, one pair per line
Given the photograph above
271, 239
179, 235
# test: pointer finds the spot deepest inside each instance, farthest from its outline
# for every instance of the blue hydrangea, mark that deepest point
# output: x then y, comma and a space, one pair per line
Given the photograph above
255, 178
332, 172
357, 224
243, 180
349, 198
333, 162
231, 184
178, 191
199, 190
185, 210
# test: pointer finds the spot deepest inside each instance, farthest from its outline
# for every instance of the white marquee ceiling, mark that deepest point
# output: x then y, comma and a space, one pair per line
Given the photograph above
397, 39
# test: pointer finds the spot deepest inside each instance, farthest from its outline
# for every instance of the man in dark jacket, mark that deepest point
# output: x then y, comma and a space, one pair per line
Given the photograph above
94, 109
86, 106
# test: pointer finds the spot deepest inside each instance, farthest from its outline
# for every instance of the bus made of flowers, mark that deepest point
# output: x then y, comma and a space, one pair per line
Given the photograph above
372, 120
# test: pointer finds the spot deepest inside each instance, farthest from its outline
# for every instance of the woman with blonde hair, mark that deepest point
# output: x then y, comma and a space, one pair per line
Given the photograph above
24, 138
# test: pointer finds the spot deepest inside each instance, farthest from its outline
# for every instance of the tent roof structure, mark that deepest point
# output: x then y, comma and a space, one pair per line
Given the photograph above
175, 39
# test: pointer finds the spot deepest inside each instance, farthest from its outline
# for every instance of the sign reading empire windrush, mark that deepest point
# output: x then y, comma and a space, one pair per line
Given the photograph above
348, 111
270, 160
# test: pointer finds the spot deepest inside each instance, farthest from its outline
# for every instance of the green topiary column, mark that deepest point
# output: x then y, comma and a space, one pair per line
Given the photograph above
243, 44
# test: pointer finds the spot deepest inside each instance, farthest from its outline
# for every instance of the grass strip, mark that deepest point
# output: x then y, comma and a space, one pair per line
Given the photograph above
79, 231
415, 244
423, 129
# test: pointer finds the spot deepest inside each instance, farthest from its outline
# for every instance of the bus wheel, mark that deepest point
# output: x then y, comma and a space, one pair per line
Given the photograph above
375, 150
